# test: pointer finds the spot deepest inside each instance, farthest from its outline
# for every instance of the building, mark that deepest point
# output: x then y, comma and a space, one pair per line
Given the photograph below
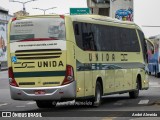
4, 18
99, 7
119, 9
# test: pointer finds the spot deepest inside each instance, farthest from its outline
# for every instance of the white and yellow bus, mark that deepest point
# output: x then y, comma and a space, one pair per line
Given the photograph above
80, 57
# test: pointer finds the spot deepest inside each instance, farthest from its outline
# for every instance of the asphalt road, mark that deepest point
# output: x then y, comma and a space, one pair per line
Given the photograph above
117, 107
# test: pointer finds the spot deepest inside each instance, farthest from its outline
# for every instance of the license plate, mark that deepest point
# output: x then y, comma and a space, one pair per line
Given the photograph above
39, 92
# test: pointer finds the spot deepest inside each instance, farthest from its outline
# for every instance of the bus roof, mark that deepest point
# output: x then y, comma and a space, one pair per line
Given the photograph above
103, 18
88, 18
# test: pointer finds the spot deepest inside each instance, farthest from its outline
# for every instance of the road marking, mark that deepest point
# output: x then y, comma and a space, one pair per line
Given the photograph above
109, 118
3, 104
143, 102
20, 106
31, 103
154, 86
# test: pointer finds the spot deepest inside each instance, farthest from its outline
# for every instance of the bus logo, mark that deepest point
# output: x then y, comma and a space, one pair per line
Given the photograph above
14, 59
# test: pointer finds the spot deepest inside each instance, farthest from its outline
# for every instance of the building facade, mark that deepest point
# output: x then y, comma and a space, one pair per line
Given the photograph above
119, 9
4, 18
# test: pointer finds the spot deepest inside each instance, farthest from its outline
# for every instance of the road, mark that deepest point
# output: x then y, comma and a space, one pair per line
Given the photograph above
117, 105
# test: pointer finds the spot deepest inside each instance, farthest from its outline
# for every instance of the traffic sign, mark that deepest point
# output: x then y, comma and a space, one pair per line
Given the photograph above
79, 11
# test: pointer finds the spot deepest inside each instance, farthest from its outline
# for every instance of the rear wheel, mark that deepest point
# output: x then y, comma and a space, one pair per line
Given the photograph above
98, 95
155, 71
135, 93
158, 75
149, 73
46, 104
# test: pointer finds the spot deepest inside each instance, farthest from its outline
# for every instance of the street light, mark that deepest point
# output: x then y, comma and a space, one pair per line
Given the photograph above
24, 9
44, 10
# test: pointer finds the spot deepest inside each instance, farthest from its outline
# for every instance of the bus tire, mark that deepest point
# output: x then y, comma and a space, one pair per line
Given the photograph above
149, 73
158, 75
98, 95
155, 71
46, 104
134, 94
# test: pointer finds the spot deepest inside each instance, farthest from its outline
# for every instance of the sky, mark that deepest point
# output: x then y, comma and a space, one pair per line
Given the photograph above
145, 11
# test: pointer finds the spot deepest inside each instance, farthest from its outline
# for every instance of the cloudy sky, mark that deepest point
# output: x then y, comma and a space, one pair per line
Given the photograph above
146, 11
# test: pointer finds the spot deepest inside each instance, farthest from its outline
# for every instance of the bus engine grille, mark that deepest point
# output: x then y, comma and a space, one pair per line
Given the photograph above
38, 54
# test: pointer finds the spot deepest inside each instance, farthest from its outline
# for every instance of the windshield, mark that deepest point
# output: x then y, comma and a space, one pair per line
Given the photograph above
37, 28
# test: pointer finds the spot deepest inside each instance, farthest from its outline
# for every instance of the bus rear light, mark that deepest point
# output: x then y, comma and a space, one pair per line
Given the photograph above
69, 75
13, 19
12, 81
61, 16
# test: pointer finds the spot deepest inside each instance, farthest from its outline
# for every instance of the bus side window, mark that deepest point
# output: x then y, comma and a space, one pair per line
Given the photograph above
88, 37
76, 29
78, 34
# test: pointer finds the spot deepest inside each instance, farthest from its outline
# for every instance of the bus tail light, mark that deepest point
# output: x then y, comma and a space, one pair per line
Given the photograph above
13, 19
69, 75
62, 16
12, 81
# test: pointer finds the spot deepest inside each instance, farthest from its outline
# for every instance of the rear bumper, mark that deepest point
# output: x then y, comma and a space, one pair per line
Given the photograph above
51, 93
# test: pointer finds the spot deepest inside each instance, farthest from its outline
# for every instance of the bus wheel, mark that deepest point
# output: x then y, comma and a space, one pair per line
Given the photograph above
135, 93
155, 72
98, 95
149, 73
158, 75
46, 104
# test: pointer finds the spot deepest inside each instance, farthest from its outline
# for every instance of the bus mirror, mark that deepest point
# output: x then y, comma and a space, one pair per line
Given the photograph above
152, 49
150, 46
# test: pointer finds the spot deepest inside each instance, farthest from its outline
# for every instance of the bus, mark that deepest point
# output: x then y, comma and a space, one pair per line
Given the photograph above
150, 53
87, 57
153, 57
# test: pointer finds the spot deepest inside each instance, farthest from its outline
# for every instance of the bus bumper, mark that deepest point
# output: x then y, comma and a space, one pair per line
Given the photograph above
51, 93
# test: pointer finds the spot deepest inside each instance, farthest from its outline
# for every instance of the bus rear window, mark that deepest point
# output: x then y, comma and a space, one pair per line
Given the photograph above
37, 28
